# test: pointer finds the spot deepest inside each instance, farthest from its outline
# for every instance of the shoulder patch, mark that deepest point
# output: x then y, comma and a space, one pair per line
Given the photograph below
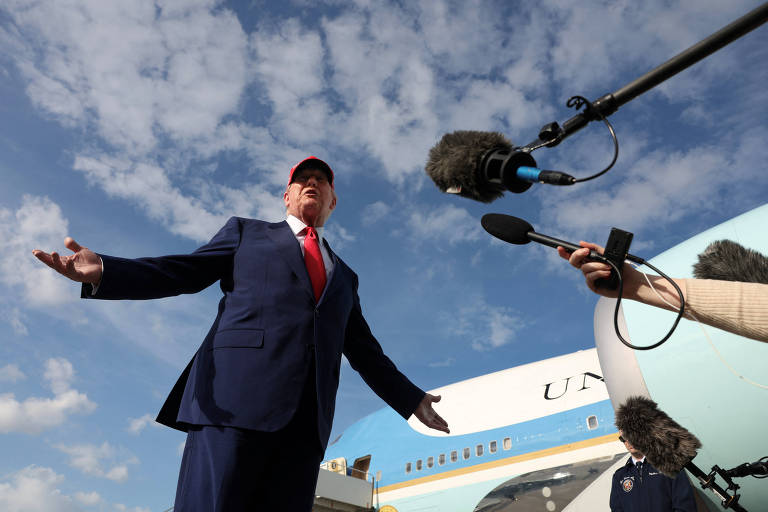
628, 483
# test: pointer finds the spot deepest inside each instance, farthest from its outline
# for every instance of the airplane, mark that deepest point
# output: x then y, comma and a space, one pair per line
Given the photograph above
541, 436
536, 434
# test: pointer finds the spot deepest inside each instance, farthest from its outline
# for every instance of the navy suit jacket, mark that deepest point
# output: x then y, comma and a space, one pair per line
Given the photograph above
251, 368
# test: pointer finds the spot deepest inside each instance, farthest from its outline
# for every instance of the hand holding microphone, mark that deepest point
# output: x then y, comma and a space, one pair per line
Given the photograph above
595, 269
517, 231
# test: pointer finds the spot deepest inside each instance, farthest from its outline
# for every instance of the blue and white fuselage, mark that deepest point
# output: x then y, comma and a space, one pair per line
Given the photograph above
538, 433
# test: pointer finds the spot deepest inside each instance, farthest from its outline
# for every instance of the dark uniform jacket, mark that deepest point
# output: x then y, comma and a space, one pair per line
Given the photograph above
647, 490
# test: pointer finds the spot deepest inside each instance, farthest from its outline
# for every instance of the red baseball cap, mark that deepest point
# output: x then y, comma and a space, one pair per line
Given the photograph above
315, 163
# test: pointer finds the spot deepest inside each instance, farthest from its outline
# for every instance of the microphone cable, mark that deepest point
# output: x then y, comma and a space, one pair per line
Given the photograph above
577, 102
680, 313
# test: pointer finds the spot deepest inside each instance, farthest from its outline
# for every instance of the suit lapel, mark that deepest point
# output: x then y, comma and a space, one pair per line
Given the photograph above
289, 249
332, 279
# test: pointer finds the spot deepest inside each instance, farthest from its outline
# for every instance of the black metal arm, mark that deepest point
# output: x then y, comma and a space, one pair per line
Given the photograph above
552, 134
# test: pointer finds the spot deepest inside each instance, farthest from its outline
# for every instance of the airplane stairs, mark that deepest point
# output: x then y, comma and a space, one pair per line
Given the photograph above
339, 490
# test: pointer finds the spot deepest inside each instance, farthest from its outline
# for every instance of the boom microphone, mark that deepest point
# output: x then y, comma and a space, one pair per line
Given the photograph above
482, 165
668, 446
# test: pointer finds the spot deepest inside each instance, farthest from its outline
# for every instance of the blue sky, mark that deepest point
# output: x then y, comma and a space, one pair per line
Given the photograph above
139, 127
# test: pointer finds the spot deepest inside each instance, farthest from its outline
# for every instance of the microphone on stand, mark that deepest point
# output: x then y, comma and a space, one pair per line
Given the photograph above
668, 446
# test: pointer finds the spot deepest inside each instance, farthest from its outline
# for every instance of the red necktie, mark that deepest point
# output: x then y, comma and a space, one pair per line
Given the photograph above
314, 261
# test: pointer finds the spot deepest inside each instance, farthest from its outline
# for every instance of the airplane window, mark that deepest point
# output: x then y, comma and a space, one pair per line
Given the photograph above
407, 467
592, 422
466, 453
492, 447
507, 443
430, 462
441, 459
454, 456
479, 450
418, 465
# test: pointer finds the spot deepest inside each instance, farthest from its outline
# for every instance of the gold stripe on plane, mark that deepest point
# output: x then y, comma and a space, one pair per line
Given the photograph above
502, 462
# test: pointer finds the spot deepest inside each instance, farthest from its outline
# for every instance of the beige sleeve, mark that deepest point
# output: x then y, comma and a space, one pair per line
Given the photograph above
740, 308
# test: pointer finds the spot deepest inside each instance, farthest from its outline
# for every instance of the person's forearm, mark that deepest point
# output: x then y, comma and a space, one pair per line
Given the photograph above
736, 307
636, 287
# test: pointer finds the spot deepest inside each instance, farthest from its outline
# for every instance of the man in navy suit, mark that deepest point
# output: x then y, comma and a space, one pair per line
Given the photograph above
257, 399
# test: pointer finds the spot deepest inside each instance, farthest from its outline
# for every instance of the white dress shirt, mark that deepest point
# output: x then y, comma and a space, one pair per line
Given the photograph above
298, 230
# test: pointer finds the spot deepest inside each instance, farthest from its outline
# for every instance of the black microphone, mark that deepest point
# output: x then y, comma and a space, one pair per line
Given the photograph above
517, 231
668, 446
758, 468
482, 165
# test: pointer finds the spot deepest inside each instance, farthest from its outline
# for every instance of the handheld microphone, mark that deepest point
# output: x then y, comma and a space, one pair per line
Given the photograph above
668, 446
517, 231
482, 165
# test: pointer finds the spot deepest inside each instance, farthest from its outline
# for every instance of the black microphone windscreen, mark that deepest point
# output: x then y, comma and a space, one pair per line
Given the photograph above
454, 163
667, 445
726, 260
506, 227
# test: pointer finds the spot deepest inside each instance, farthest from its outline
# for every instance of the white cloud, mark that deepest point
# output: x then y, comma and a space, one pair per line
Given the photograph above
289, 63
663, 187
166, 86
136, 425
481, 325
503, 325
122, 508
100, 461
374, 212
149, 186
633, 37
11, 373
445, 225
37, 224
35, 489
139, 76
132, 70
88, 498
197, 216
442, 364
59, 373
36, 414
16, 318
338, 236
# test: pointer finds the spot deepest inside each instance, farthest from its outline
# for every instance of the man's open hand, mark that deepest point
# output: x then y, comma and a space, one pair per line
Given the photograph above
84, 266
427, 415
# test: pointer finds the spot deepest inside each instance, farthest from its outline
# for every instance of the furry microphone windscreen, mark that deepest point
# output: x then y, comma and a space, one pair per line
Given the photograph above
726, 260
667, 445
454, 163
